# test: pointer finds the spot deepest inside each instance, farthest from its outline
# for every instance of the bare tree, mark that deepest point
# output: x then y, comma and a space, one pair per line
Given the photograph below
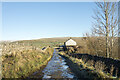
113, 24
106, 23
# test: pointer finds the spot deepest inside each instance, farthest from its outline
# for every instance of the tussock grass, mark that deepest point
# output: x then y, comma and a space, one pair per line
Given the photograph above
23, 64
89, 69
20, 61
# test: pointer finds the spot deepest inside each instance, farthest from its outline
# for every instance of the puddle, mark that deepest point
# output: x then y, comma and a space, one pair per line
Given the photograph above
57, 68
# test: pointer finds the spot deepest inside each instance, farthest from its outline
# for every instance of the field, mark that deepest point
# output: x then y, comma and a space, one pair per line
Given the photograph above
22, 58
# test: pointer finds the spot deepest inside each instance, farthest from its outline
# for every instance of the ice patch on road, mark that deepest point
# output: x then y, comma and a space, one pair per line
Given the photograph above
57, 68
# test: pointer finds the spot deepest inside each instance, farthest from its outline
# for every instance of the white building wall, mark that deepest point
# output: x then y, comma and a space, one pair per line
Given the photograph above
70, 43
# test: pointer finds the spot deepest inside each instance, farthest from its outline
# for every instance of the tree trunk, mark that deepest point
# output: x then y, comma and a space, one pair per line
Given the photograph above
107, 44
107, 32
112, 42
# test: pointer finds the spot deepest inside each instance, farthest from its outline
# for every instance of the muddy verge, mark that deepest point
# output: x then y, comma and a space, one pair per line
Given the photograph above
79, 71
38, 74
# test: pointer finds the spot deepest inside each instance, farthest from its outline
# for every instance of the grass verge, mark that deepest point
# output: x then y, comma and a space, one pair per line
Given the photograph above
24, 63
84, 70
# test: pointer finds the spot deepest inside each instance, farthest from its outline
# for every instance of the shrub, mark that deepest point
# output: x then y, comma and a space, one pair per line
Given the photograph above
100, 66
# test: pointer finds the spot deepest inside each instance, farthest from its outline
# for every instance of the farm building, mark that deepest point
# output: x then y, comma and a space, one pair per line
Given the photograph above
70, 43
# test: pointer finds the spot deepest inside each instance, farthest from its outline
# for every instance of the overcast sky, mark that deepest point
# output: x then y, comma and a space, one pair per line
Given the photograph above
34, 20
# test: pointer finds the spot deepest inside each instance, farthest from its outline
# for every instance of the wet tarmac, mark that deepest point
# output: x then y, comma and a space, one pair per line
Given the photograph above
57, 68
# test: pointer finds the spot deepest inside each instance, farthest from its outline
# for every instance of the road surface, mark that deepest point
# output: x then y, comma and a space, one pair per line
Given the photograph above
57, 68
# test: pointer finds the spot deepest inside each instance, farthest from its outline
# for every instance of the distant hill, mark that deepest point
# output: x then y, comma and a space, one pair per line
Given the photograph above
49, 41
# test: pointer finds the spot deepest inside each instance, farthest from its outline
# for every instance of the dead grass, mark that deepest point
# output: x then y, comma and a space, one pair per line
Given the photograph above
93, 67
20, 61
